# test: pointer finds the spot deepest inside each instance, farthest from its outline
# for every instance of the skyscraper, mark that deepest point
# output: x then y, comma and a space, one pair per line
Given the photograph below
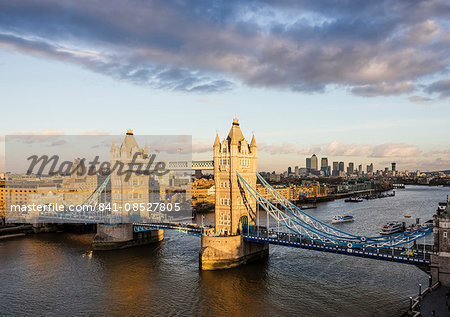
335, 168
341, 166
308, 163
393, 166
289, 170
314, 162
324, 166
350, 168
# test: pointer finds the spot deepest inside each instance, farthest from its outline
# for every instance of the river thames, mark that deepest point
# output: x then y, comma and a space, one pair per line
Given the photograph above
57, 273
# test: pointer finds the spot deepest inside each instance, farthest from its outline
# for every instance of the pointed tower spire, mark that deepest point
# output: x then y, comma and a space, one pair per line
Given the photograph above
146, 151
235, 136
253, 143
217, 140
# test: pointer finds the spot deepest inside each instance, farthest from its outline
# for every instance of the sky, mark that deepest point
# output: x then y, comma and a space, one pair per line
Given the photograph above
359, 81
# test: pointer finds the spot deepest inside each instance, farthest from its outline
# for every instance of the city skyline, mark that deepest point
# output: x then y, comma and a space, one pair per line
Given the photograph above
389, 102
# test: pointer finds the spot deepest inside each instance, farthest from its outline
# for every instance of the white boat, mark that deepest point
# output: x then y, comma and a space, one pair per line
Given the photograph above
339, 219
392, 227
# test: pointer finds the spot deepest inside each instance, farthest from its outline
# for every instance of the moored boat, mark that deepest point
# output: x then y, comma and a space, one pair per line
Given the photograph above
392, 227
353, 200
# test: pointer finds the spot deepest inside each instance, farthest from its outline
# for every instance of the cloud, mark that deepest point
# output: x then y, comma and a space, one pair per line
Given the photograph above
419, 99
439, 152
137, 71
395, 150
286, 148
423, 32
446, 38
202, 146
50, 135
441, 87
94, 132
384, 89
337, 148
199, 47
421, 163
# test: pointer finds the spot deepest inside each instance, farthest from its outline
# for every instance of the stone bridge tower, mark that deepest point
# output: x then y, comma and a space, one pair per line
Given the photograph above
133, 187
235, 208
440, 260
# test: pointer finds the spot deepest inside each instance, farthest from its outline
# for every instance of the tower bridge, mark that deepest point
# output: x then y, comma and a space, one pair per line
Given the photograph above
239, 236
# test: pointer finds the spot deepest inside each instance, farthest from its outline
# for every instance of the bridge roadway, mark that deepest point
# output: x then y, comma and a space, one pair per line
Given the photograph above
420, 258
189, 228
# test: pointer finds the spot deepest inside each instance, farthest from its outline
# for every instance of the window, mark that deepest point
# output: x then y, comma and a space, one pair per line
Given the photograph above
245, 162
445, 234
224, 184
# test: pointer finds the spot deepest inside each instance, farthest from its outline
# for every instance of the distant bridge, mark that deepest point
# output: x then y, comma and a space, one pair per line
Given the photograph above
194, 165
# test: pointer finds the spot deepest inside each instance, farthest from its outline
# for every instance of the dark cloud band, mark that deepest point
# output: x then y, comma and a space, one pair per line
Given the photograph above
372, 48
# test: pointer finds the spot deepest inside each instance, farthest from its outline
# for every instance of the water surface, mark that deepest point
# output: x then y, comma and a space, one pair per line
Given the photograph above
58, 274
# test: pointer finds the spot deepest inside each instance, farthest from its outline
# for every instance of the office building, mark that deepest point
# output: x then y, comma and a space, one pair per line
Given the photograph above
350, 168
324, 166
335, 168
314, 162
308, 163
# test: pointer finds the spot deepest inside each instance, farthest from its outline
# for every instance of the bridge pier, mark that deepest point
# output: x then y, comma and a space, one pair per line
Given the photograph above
120, 236
225, 252
440, 260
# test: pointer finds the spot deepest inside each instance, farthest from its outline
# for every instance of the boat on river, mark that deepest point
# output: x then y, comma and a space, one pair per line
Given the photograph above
340, 219
392, 227
353, 200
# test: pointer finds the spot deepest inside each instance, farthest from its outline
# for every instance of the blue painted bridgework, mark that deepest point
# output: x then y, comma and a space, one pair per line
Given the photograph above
393, 255
420, 257
188, 228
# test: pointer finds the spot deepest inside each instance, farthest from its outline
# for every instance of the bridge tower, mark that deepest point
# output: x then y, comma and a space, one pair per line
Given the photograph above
234, 210
440, 260
133, 187
127, 190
